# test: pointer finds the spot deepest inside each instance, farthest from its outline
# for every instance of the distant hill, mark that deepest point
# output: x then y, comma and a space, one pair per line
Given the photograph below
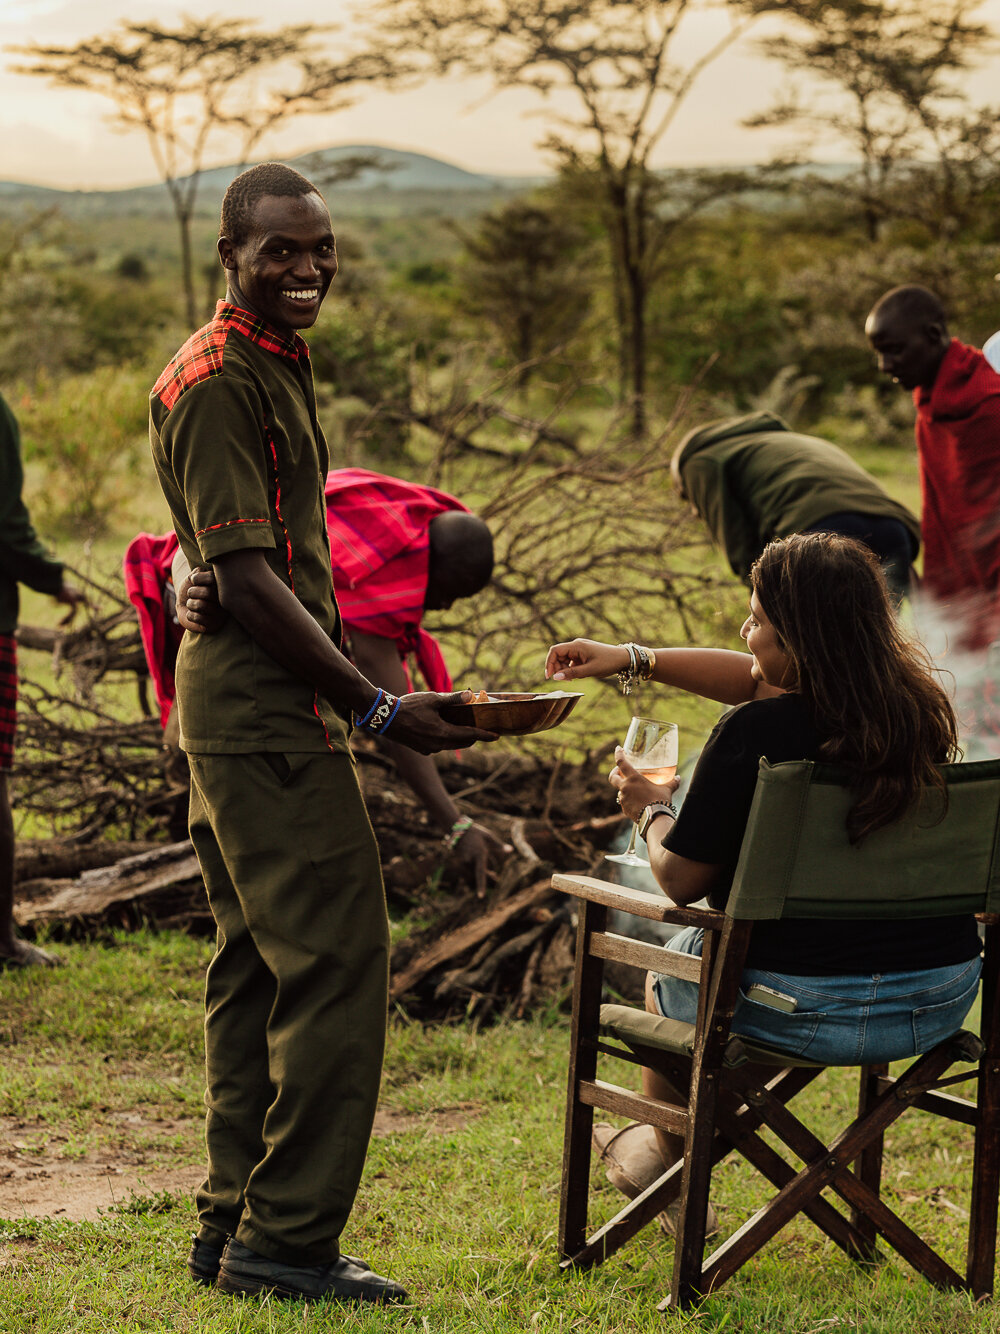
401, 183
398, 172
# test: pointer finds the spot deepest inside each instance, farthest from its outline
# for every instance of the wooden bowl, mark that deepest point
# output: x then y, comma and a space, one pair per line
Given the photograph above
515, 714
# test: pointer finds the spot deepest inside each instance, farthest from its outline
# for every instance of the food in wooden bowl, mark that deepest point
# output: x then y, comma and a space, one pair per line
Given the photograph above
513, 714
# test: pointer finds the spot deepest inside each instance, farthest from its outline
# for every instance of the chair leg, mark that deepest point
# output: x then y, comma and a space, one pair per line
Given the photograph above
981, 1255
689, 1250
582, 1066
826, 1168
739, 1125
868, 1167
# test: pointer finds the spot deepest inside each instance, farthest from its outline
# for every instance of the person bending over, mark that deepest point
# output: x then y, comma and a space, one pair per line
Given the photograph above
830, 676
753, 478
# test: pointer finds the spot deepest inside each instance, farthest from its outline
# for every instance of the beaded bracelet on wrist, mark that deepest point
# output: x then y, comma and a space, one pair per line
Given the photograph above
380, 715
458, 831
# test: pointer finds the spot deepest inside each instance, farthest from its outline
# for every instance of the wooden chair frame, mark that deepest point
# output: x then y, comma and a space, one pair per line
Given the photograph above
731, 1098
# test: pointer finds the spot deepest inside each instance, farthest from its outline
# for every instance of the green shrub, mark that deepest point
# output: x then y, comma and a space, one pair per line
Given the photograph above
85, 442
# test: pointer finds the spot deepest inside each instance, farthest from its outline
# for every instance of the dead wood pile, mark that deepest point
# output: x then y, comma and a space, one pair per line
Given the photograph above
510, 951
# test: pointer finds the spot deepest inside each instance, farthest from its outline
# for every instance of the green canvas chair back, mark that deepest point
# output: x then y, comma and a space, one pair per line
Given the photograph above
796, 861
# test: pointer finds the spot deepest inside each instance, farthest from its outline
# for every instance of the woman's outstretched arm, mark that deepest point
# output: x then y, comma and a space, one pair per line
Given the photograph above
716, 673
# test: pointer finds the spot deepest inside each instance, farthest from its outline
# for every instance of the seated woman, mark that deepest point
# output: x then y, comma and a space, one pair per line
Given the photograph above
830, 676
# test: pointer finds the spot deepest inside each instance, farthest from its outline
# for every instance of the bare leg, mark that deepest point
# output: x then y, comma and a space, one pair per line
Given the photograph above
11, 946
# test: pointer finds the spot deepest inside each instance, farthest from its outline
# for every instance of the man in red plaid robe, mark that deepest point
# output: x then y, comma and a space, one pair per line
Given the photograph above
957, 396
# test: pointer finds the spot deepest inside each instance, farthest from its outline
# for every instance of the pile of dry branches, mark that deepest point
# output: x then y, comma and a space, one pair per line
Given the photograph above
507, 951
591, 538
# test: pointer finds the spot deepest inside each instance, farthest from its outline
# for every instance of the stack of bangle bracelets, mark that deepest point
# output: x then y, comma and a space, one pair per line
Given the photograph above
641, 665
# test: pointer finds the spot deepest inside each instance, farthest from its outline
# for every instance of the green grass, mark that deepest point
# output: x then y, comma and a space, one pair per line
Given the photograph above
459, 1201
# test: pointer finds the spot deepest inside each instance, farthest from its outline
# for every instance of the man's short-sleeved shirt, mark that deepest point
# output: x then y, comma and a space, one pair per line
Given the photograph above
242, 462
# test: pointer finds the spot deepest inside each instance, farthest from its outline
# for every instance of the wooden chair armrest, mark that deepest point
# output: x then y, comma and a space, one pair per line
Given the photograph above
638, 902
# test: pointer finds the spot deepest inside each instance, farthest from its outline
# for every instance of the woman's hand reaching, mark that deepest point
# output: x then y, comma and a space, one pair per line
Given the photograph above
584, 657
634, 791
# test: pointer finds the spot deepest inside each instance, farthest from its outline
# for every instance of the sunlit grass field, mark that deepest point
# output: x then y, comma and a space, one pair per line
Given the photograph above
460, 1194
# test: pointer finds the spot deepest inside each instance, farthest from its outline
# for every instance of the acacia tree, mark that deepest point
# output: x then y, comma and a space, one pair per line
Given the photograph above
525, 269
614, 58
182, 86
892, 74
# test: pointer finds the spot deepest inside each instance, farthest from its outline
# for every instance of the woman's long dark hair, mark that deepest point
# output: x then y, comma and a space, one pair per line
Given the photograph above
870, 689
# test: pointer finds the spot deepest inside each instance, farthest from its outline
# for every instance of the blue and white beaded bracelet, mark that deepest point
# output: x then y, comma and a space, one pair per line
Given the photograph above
380, 715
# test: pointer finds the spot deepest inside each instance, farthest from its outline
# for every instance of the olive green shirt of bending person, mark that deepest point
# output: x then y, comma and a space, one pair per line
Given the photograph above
242, 461
753, 479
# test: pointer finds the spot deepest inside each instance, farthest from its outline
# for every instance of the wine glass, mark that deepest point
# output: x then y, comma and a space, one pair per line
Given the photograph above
650, 747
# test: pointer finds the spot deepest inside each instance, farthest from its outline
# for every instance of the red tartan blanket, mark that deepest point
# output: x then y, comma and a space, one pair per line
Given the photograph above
147, 573
958, 448
379, 546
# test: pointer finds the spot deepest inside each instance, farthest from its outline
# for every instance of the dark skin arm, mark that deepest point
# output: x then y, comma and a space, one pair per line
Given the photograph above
270, 612
72, 598
378, 658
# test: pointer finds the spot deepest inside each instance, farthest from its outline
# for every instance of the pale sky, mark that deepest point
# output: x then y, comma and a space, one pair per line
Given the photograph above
61, 137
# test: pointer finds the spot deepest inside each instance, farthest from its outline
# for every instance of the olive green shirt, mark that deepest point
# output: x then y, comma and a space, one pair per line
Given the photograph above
753, 479
242, 462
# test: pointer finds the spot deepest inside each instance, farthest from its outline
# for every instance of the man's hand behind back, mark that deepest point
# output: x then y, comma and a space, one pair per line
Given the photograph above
419, 724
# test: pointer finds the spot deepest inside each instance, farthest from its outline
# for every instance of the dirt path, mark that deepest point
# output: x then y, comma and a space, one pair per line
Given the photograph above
38, 1181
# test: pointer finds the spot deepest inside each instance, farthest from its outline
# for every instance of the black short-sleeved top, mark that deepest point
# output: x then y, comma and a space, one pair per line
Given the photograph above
710, 828
242, 462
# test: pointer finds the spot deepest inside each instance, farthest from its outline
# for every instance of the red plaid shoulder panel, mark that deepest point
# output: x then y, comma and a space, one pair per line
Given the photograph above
199, 359
201, 356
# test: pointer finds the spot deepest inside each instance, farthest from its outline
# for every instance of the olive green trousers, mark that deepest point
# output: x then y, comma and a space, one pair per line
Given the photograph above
295, 1004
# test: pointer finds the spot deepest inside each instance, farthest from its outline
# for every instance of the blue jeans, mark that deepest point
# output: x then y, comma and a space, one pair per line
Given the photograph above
858, 1019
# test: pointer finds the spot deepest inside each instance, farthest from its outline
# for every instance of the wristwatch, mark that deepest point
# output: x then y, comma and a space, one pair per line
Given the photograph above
650, 812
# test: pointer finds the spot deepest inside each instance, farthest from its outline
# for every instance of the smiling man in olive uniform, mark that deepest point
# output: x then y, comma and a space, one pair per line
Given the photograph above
296, 991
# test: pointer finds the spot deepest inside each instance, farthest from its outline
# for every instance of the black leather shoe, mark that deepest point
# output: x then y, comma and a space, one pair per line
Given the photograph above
203, 1262
245, 1271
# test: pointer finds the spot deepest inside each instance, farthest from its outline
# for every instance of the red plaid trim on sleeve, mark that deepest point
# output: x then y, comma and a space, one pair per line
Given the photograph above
8, 699
231, 523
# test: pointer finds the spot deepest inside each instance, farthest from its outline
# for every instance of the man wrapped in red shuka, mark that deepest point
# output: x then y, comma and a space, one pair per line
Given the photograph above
957, 396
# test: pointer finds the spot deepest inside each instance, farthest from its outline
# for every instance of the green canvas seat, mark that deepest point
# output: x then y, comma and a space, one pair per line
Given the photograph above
943, 858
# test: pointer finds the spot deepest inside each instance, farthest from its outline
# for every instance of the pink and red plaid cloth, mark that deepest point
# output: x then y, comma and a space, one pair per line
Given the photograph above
379, 530
380, 547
